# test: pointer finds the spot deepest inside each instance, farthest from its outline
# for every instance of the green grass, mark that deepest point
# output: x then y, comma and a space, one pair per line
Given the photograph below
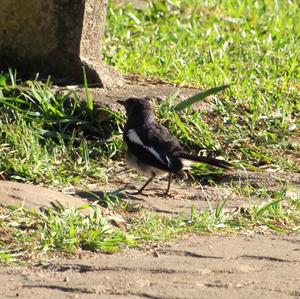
251, 44
27, 234
206, 43
52, 138
279, 213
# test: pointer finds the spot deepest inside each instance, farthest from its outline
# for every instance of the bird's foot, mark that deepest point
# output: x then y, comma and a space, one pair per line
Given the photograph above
136, 193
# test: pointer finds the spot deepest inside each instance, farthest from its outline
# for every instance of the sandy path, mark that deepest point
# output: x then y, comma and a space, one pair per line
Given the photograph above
197, 267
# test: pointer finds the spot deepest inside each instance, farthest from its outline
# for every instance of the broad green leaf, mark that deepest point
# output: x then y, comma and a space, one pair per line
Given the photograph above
198, 97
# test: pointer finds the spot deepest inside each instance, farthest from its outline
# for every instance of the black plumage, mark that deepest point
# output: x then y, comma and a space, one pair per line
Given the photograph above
151, 148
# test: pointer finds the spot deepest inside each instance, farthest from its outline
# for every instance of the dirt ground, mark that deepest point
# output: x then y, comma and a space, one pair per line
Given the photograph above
219, 266
197, 267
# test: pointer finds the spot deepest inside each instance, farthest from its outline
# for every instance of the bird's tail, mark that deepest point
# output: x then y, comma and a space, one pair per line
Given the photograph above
188, 160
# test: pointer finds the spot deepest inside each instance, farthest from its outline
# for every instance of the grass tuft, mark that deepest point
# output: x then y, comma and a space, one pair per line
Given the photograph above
27, 233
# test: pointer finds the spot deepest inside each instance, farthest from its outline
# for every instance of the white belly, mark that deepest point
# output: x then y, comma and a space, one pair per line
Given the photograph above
145, 169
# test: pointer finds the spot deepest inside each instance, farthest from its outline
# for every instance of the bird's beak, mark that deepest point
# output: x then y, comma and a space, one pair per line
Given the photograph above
121, 102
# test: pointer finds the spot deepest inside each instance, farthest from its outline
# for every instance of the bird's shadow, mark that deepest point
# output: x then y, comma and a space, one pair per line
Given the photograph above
111, 199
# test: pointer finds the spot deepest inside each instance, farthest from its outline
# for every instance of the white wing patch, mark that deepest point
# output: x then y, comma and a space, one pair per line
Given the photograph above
155, 153
134, 137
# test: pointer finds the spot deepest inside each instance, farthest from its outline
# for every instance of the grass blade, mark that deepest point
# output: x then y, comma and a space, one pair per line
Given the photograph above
267, 207
89, 99
2, 80
13, 78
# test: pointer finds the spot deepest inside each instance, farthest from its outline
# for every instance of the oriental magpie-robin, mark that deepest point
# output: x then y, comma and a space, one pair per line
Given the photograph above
151, 148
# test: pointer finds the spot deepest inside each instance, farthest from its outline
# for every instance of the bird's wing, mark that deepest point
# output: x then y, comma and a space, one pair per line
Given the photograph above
155, 146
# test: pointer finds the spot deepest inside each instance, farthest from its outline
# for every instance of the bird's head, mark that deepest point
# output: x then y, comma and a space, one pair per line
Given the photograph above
137, 107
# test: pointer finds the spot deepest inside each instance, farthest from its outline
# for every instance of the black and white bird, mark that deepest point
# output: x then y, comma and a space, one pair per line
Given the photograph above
151, 148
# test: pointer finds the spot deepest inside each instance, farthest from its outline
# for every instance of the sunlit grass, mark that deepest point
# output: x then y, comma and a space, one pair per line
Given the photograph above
251, 44
26, 233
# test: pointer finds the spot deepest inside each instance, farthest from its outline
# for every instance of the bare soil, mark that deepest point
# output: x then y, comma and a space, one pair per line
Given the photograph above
198, 267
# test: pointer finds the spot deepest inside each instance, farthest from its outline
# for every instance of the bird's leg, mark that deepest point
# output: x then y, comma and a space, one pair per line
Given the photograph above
145, 185
169, 184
